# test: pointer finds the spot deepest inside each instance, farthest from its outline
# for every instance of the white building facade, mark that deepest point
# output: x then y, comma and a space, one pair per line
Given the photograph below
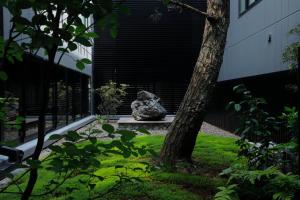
257, 37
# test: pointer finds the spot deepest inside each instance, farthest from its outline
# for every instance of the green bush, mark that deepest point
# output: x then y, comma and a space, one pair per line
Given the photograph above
258, 125
268, 184
268, 172
111, 95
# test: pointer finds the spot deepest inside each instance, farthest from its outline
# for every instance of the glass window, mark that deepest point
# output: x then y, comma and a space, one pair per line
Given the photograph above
242, 6
252, 2
245, 5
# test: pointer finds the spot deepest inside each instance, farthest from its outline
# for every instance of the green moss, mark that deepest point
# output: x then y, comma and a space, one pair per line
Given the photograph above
212, 154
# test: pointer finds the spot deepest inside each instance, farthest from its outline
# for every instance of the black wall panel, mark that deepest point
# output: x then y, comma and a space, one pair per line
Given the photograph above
1, 21
157, 56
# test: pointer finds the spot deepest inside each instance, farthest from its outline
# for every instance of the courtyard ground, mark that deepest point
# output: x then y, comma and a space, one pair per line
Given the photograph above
212, 154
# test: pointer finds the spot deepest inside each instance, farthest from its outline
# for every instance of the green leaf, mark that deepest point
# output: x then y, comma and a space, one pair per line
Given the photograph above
239, 88
114, 32
86, 61
91, 35
3, 76
237, 107
56, 148
143, 130
83, 41
108, 128
56, 137
80, 65
72, 46
73, 136
127, 135
229, 105
142, 151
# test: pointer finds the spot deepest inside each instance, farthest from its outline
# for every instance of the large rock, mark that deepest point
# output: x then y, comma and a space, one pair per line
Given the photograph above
147, 107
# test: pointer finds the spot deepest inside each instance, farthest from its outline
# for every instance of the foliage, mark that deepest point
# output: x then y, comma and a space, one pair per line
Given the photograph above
227, 193
78, 155
111, 95
57, 28
212, 154
267, 174
290, 55
9, 120
45, 30
255, 124
290, 116
266, 184
258, 125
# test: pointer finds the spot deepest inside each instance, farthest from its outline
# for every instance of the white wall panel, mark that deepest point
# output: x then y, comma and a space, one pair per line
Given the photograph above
248, 52
68, 60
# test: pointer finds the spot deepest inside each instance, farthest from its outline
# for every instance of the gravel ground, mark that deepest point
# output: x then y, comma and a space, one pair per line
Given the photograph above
206, 127
213, 130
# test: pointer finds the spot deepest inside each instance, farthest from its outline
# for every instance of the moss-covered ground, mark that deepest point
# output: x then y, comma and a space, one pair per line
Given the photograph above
212, 154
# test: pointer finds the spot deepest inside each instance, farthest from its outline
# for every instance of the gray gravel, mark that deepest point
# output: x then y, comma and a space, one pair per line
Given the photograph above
213, 130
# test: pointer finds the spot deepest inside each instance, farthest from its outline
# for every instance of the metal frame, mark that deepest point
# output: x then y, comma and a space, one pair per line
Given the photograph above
248, 6
23, 88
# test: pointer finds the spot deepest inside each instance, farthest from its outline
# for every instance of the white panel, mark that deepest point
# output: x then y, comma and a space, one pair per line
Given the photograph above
248, 52
68, 60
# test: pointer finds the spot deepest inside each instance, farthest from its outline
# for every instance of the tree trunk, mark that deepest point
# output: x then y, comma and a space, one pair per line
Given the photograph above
44, 86
182, 134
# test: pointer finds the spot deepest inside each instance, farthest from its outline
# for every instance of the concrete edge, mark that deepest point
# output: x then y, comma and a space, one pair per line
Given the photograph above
29, 147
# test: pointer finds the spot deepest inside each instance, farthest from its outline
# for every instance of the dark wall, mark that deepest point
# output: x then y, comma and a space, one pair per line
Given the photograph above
1, 21
277, 88
147, 55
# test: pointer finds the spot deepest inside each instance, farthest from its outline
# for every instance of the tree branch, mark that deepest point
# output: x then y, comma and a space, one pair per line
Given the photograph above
13, 182
193, 9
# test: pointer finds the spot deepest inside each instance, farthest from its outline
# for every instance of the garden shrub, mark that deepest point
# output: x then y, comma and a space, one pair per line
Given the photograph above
268, 173
111, 95
258, 125
268, 184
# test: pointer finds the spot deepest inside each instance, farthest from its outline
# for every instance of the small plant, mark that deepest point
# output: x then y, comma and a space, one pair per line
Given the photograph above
227, 193
9, 117
256, 124
268, 184
267, 174
290, 54
111, 96
290, 117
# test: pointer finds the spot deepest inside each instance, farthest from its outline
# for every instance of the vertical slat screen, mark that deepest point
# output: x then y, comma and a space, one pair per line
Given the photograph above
147, 55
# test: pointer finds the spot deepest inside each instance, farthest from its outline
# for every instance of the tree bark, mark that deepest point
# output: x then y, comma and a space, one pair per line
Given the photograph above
182, 134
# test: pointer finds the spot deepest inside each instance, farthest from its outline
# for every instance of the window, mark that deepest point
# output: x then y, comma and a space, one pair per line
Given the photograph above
69, 99
245, 5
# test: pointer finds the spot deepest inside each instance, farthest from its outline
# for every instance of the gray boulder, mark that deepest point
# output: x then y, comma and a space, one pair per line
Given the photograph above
147, 107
